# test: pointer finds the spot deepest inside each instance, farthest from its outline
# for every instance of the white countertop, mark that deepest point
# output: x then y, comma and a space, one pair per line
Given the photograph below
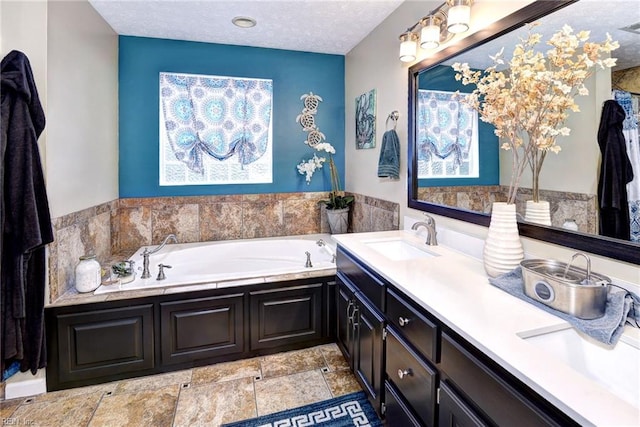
454, 288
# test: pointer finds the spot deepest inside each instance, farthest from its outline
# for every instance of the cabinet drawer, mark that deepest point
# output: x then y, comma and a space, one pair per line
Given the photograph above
396, 413
416, 381
368, 284
416, 328
454, 412
502, 403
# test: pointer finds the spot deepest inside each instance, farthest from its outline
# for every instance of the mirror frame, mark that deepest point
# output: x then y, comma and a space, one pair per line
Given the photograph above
599, 245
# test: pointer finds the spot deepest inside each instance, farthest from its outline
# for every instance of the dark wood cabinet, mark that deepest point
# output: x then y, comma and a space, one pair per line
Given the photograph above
286, 316
104, 343
110, 340
360, 325
432, 376
201, 328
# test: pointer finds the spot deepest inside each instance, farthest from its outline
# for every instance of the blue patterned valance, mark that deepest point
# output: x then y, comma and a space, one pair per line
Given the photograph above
447, 140
215, 130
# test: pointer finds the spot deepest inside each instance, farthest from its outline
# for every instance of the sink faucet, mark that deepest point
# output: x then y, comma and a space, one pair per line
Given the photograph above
430, 225
145, 255
577, 254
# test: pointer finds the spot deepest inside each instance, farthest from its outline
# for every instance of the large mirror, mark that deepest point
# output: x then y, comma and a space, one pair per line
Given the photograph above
569, 179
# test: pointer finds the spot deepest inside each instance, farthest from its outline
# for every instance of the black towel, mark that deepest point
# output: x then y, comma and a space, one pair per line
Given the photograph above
26, 222
389, 163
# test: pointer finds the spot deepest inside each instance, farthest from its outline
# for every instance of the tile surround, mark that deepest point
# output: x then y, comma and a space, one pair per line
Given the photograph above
114, 230
580, 207
209, 395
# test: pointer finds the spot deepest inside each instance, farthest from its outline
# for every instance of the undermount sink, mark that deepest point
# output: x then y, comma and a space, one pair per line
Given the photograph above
399, 250
615, 368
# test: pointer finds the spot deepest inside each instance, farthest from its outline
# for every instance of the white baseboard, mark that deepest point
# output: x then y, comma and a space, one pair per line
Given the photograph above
25, 384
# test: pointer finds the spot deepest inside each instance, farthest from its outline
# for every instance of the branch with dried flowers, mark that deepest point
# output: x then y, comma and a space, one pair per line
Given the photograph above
529, 102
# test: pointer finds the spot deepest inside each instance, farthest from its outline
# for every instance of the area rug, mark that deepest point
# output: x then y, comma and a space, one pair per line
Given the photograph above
350, 410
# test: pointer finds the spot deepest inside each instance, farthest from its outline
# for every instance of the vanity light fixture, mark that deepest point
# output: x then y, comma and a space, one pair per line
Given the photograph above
244, 22
438, 27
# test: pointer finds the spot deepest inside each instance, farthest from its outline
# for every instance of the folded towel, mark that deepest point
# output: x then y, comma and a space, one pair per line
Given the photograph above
622, 307
389, 163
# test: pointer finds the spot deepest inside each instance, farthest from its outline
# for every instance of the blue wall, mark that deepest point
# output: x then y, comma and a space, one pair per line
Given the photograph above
442, 78
293, 74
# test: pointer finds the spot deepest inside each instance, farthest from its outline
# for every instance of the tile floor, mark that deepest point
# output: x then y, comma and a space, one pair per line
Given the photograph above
205, 396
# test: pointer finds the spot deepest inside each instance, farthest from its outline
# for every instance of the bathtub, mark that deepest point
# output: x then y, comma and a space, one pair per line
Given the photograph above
231, 262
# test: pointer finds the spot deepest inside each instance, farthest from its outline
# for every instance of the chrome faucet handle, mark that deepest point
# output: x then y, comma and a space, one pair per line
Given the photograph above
161, 268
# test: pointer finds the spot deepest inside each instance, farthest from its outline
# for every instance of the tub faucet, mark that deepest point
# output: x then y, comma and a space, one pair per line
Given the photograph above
145, 255
321, 243
161, 268
430, 225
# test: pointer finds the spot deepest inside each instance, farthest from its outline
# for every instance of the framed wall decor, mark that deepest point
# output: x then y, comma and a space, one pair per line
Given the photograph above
366, 120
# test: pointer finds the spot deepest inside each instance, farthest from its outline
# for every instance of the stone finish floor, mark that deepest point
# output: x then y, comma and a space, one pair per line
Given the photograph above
205, 396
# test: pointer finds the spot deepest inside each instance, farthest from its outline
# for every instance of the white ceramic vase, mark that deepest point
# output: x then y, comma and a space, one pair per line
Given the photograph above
338, 220
538, 212
502, 247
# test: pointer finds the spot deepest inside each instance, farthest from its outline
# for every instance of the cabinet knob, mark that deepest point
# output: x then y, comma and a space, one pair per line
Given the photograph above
404, 373
403, 321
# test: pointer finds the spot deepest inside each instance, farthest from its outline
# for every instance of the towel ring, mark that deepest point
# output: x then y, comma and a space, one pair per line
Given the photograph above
394, 116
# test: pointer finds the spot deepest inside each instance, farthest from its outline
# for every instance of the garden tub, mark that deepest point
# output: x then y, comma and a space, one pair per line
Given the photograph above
232, 262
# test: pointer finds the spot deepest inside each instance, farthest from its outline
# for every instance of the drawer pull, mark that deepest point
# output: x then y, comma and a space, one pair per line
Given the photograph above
404, 373
404, 321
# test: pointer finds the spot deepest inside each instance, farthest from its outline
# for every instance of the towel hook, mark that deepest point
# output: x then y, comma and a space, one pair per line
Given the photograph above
394, 116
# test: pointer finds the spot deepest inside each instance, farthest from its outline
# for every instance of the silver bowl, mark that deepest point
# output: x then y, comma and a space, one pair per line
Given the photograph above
572, 292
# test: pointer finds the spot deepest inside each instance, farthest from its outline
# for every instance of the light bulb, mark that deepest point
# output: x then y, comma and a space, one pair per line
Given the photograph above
408, 47
459, 16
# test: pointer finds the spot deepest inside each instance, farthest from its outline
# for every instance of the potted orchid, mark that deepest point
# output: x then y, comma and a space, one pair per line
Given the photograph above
337, 206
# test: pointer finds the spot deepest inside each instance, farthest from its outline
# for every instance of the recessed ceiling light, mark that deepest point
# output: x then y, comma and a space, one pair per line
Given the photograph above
244, 22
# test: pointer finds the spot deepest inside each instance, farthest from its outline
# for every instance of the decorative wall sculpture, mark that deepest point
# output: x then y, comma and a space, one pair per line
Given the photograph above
215, 130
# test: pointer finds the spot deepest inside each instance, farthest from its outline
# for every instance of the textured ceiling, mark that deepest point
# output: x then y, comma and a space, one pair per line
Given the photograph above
323, 26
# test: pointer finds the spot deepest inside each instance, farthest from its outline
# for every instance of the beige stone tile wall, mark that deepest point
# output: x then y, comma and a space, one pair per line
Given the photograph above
80, 233
582, 208
116, 229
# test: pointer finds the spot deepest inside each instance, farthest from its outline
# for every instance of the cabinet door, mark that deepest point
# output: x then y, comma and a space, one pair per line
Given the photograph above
104, 343
345, 307
453, 412
201, 328
286, 316
369, 350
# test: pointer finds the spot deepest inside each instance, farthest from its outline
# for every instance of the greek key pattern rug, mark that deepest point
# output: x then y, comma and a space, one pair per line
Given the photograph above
349, 410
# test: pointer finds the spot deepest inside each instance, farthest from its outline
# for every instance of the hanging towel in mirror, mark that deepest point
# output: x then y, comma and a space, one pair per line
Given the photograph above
389, 163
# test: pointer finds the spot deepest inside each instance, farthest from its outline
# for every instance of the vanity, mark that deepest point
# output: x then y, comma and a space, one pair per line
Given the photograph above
433, 343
